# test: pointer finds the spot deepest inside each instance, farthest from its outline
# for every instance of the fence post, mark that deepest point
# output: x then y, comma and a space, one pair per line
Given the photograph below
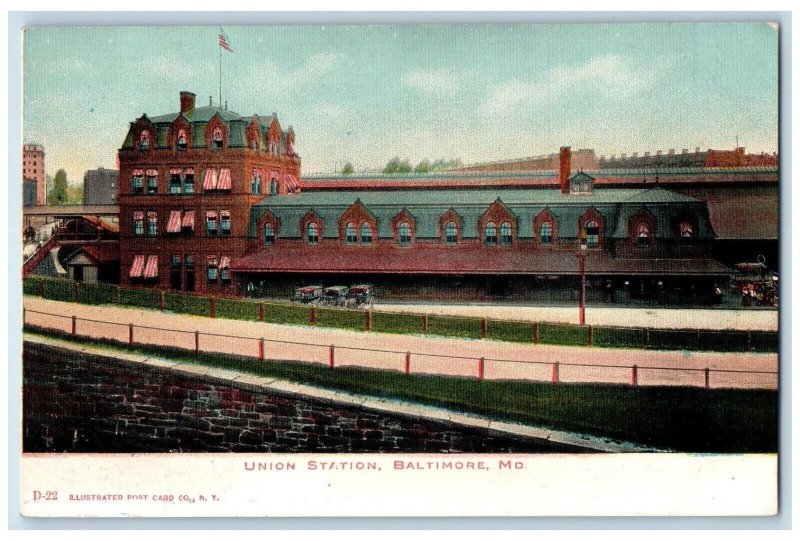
261, 311
260, 349
75, 293
313, 316
407, 369
634, 375
330, 357
41, 289
118, 295
555, 375
748, 345
425, 324
161, 300
480, 369
196, 344
483, 327
646, 337
74, 325
707, 373
590, 338
130, 335
535, 333
367, 320
213, 307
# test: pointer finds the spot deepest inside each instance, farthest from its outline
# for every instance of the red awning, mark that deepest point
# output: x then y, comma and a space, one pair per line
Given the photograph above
224, 262
291, 183
152, 172
151, 270
137, 266
138, 215
189, 171
211, 215
210, 180
224, 179
175, 171
211, 261
188, 219
174, 224
138, 172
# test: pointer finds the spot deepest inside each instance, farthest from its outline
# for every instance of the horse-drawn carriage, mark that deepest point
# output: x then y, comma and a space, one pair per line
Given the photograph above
334, 296
360, 296
307, 294
757, 286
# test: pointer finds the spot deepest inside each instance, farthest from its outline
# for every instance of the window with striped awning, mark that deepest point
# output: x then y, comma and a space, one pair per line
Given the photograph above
224, 269
151, 269
225, 182
137, 266
174, 223
188, 219
210, 179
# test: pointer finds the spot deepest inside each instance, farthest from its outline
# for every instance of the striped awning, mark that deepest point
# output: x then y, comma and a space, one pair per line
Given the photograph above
189, 170
138, 215
174, 224
137, 266
256, 173
210, 180
211, 215
175, 171
152, 172
138, 172
151, 270
211, 261
224, 179
291, 183
188, 219
224, 262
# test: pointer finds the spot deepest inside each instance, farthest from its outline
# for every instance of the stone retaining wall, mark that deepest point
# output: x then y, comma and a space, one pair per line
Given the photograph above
78, 402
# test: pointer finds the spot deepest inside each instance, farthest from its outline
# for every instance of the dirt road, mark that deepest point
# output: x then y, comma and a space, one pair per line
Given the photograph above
433, 355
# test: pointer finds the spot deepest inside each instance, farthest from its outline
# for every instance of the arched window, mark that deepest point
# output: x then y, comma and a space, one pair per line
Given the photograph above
182, 144
350, 233
491, 233
269, 233
144, 140
312, 233
643, 234
546, 233
505, 233
216, 139
687, 230
404, 233
451, 233
273, 186
366, 233
592, 233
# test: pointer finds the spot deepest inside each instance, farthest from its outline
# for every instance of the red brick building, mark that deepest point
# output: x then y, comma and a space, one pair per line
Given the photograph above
187, 182
33, 170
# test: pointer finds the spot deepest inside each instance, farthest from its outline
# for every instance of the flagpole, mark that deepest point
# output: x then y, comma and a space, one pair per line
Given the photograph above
220, 76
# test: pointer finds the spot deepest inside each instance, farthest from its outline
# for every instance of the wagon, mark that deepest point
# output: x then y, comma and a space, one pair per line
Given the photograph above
335, 295
307, 294
757, 286
360, 295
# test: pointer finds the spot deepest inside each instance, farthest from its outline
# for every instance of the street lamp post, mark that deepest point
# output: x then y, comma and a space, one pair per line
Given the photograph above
581, 255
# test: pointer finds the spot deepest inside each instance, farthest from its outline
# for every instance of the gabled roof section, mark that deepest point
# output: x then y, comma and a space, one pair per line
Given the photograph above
657, 194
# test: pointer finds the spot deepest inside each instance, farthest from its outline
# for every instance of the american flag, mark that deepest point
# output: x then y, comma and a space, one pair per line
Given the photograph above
223, 41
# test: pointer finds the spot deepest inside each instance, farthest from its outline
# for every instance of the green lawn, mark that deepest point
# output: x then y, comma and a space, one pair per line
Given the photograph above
685, 419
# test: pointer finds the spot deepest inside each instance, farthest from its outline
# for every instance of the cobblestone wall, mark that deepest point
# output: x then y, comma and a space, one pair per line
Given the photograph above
86, 403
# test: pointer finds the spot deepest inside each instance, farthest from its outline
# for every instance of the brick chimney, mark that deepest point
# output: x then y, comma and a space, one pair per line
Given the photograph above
187, 101
564, 168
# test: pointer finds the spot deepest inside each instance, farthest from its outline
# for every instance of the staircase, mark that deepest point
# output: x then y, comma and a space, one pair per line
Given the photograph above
38, 256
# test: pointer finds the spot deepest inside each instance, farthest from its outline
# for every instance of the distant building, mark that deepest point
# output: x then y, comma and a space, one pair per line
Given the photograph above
100, 187
33, 170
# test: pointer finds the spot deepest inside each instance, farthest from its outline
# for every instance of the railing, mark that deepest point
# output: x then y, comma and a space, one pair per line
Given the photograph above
38, 256
334, 355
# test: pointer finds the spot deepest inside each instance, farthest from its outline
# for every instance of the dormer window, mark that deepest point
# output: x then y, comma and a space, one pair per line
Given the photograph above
592, 234
182, 144
491, 234
312, 233
216, 139
269, 234
137, 182
350, 233
144, 141
687, 230
643, 234
404, 233
366, 233
273, 186
546, 233
505, 234
451, 233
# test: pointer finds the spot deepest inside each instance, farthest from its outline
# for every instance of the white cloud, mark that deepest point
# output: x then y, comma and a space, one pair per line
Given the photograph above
610, 73
440, 81
315, 69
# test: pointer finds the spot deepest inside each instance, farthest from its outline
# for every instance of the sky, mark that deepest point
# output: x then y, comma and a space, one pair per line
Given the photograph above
365, 94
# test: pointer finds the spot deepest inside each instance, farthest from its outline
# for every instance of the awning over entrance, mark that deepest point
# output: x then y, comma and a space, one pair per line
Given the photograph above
137, 267
151, 270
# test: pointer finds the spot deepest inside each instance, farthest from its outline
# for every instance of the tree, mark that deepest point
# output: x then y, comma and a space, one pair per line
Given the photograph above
391, 166
347, 169
58, 195
75, 195
423, 167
